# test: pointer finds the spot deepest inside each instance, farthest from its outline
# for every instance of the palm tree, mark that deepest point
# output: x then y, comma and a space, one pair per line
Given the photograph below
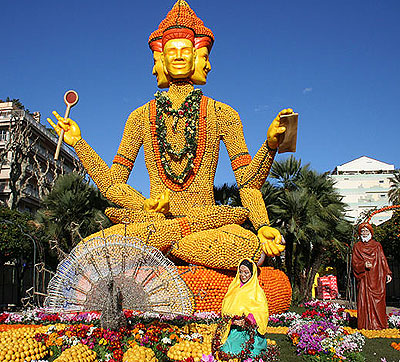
227, 195
394, 192
287, 172
72, 203
306, 208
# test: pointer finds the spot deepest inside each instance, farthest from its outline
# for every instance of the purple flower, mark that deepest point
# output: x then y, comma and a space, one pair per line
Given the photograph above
207, 358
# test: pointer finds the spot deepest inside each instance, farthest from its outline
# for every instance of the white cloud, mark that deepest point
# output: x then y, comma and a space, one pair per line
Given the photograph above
307, 90
261, 108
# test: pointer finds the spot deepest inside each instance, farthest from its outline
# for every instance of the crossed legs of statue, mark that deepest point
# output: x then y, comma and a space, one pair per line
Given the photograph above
220, 248
209, 235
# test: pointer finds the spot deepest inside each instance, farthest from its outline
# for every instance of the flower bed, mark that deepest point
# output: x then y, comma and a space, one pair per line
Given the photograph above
394, 319
283, 319
318, 309
322, 332
148, 337
325, 341
319, 334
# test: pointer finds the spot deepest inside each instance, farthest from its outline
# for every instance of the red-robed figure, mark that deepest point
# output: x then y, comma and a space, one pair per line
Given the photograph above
372, 272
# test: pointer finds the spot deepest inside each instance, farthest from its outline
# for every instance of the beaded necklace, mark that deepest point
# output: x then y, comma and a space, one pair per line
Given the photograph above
190, 110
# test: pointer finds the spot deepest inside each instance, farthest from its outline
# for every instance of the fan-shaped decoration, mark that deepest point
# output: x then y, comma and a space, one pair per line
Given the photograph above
145, 278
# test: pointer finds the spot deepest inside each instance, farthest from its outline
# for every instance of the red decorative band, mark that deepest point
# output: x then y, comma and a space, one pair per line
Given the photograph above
123, 161
203, 41
240, 161
177, 33
156, 45
185, 226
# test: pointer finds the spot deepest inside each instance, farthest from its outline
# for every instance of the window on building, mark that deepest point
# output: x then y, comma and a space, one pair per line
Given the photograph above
3, 135
381, 181
383, 195
3, 184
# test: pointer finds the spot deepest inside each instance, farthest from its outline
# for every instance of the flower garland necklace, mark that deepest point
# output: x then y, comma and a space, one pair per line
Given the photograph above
271, 354
190, 109
246, 347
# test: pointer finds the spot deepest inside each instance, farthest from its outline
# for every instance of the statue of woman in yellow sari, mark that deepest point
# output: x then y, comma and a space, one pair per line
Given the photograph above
245, 299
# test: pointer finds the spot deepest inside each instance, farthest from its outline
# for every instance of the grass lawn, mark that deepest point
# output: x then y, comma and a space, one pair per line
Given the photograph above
376, 348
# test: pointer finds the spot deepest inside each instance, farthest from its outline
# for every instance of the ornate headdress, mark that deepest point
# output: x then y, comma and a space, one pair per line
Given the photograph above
155, 42
181, 23
365, 225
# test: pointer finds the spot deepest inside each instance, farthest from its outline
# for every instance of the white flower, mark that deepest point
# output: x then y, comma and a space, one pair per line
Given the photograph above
394, 321
166, 340
91, 330
52, 329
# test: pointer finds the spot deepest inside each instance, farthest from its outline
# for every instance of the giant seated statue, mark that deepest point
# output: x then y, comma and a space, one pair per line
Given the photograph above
180, 131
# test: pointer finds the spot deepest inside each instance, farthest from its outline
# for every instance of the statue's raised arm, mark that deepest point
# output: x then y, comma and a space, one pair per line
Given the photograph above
111, 181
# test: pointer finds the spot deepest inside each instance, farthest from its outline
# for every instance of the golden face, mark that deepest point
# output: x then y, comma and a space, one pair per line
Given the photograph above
158, 71
178, 58
202, 66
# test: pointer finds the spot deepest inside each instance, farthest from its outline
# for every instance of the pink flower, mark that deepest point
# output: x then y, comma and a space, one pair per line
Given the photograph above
207, 358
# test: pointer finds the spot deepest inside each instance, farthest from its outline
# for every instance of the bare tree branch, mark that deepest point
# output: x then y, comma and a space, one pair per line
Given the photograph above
32, 169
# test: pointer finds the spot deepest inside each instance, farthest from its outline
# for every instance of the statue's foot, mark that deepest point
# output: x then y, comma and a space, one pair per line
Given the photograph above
221, 248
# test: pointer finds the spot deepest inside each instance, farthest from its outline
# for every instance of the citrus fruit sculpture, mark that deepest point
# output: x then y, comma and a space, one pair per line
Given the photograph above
180, 131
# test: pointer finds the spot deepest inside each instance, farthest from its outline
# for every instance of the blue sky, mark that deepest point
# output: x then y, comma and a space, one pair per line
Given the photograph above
335, 62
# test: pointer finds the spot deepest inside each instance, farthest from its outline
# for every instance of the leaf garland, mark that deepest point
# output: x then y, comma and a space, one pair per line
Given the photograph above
190, 109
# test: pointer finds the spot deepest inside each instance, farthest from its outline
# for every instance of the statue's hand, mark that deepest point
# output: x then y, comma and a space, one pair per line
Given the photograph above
271, 240
72, 132
275, 131
158, 204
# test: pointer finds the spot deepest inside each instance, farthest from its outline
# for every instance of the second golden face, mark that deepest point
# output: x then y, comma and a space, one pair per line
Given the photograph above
158, 70
202, 66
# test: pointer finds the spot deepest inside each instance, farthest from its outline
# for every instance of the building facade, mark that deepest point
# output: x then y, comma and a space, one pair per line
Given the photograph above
27, 166
364, 184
